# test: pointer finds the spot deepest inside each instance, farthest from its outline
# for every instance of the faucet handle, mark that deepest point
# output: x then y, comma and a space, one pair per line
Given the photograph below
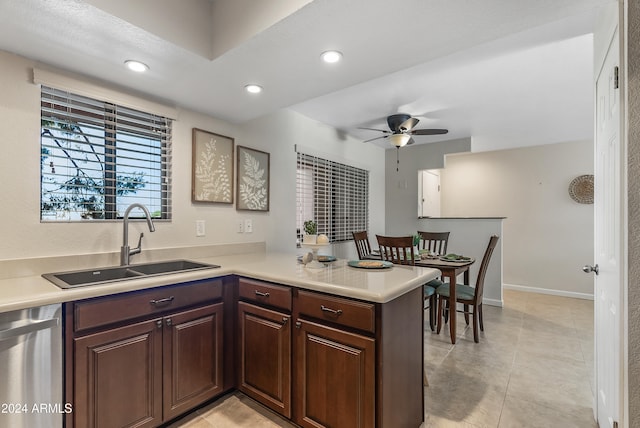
139, 247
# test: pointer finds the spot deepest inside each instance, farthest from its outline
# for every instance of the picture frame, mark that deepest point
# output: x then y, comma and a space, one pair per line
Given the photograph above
212, 167
252, 187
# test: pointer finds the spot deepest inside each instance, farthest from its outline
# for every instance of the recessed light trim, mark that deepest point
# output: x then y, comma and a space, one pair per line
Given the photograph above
137, 66
253, 88
331, 57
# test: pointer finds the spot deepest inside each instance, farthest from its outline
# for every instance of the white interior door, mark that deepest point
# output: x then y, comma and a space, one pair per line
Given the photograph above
430, 198
608, 197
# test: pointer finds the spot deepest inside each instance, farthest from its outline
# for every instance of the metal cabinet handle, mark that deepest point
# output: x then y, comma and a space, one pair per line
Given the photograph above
168, 322
285, 320
159, 323
336, 312
261, 294
298, 324
161, 302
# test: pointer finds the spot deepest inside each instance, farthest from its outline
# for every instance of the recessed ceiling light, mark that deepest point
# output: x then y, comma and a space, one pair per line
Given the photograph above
331, 56
136, 66
253, 88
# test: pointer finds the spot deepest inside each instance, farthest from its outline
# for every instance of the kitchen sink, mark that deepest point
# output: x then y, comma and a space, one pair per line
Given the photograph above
81, 278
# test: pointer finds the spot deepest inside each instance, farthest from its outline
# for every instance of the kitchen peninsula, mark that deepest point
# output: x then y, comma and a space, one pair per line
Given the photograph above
343, 346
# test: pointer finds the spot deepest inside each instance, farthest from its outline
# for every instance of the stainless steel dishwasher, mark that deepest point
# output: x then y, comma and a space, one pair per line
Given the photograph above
31, 368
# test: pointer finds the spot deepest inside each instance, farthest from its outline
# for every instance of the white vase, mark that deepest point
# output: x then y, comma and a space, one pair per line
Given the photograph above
309, 239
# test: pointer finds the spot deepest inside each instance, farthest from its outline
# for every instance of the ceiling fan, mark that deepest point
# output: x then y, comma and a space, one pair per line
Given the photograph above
401, 130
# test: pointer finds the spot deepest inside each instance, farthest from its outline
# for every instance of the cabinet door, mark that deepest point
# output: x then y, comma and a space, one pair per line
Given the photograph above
192, 367
118, 377
265, 356
335, 377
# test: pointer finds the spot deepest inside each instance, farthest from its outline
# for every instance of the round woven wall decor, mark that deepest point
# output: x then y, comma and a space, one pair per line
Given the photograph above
581, 189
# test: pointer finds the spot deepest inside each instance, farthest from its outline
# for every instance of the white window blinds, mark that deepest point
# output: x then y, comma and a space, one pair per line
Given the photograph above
97, 158
335, 195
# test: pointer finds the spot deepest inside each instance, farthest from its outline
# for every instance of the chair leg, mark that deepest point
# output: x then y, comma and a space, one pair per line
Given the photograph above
433, 303
446, 311
475, 324
440, 303
480, 316
466, 314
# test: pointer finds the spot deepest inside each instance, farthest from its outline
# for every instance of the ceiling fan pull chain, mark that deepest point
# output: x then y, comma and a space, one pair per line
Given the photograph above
397, 159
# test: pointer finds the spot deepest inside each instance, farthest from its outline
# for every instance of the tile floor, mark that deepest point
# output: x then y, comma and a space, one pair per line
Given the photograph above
532, 368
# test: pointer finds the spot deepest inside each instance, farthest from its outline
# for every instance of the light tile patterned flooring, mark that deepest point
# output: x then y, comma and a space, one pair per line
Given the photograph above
532, 368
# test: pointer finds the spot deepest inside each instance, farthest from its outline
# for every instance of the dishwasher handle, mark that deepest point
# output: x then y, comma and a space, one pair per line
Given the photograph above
28, 328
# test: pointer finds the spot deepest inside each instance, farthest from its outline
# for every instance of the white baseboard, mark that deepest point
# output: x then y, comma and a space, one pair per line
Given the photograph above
561, 293
492, 302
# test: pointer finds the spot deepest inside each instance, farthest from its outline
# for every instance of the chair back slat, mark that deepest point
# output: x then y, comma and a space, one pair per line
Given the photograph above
493, 241
397, 249
361, 240
436, 242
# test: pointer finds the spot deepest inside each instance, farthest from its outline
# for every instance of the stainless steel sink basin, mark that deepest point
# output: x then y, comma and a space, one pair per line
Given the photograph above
81, 278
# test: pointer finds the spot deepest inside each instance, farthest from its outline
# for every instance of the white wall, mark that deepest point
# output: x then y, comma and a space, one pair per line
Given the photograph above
282, 131
401, 209
23, 236
547, 236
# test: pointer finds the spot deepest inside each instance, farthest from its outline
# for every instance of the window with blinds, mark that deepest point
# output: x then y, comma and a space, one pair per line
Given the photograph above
97, 158
335, 195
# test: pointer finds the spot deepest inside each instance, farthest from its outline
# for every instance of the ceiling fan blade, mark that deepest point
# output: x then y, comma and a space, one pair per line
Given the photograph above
379, 130
428, 131
377, 138
408, 124
411, 141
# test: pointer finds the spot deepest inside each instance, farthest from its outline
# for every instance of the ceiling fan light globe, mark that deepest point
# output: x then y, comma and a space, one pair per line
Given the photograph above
399, 140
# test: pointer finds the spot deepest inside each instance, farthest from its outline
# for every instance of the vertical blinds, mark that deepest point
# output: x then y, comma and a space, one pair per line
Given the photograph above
335, 195
97, 158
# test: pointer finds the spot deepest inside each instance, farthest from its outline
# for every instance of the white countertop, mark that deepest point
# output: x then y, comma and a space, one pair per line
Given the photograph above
373, 285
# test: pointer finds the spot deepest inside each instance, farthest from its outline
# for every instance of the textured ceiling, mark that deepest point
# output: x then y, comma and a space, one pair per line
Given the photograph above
504, 73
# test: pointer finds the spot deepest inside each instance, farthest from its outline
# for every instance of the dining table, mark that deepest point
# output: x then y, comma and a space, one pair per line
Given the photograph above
450, 269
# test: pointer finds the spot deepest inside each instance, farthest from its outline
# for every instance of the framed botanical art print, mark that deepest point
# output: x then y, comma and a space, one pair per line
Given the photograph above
252, 189
212, 167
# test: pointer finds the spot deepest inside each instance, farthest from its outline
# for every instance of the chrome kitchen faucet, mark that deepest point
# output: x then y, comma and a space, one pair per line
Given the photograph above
125, 251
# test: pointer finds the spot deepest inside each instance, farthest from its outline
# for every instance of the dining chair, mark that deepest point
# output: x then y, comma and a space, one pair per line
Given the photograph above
399, 250
361, 239
469, 296
396, 249
435, 242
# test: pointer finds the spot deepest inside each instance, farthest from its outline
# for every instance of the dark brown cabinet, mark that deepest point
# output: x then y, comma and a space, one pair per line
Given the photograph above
145, 372
192, 358
116, 377
335, 372
144, 358
264, 343
265, 356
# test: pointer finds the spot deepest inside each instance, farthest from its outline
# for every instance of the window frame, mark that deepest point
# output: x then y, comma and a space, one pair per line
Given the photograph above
334, 194
63, 112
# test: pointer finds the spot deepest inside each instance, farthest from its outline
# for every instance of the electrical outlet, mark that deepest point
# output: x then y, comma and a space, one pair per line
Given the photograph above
240, 226
200, 228
248, 226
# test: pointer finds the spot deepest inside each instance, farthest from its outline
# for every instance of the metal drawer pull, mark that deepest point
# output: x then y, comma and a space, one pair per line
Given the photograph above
161, 302
261, 294
331, 311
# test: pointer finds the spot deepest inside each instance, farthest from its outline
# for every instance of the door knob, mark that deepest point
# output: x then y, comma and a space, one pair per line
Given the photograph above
588, 269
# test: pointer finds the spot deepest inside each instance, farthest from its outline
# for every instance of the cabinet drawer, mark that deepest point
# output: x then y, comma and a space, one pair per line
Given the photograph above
111, 309
339, 310
261, 292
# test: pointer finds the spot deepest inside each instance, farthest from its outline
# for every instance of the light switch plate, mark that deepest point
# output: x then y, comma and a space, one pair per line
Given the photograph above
200, 228
248, 226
